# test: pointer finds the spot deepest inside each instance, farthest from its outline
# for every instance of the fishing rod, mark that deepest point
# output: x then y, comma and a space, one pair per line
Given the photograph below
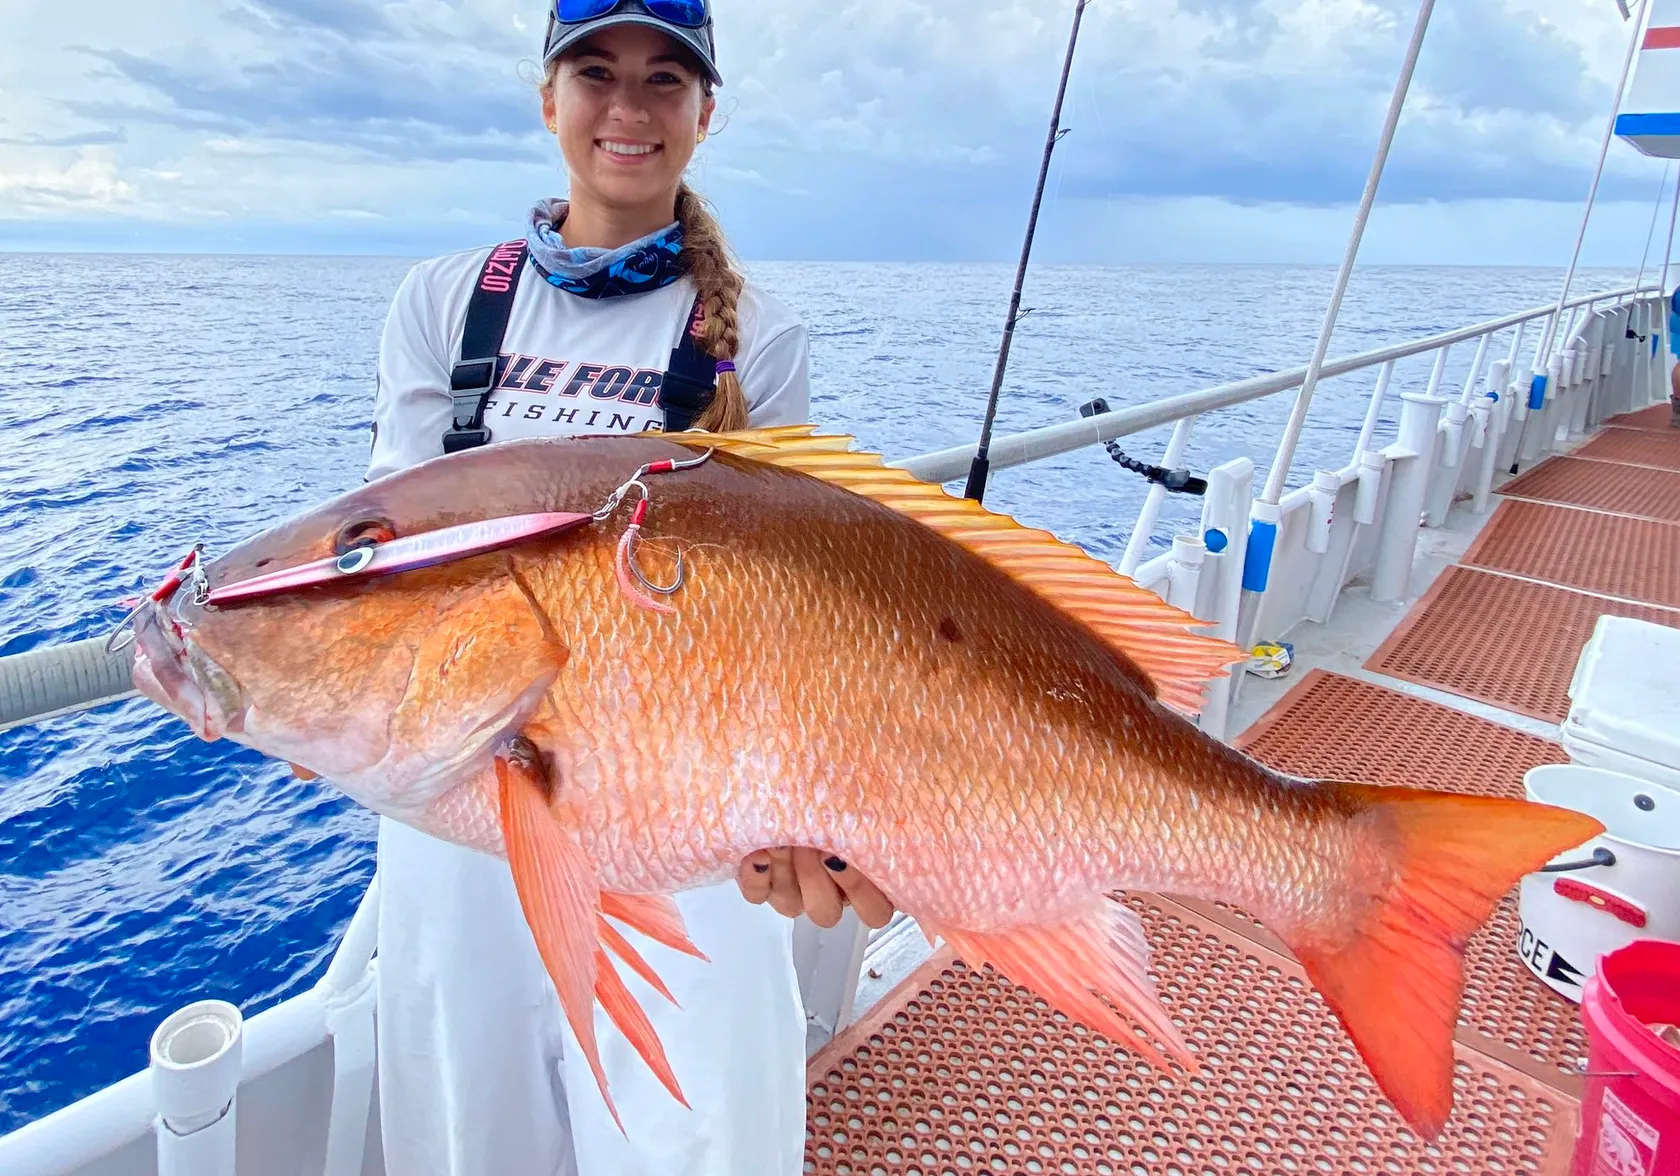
978, 470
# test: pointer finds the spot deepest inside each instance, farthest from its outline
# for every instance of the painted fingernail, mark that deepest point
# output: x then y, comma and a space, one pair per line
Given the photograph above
761, 867
835, 864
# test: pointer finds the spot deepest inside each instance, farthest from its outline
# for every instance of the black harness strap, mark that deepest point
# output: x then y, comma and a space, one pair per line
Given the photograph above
474, 375
691, 380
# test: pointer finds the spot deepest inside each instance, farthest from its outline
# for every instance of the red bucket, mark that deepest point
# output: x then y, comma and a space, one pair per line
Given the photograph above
1630, 1109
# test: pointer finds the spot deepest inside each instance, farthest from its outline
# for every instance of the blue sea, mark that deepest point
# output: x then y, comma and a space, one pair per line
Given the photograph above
150, 402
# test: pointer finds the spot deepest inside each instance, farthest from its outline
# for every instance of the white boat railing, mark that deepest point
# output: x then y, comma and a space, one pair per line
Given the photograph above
1360, 520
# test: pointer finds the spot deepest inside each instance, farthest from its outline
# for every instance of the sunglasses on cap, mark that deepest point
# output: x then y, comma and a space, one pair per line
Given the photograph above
684, 14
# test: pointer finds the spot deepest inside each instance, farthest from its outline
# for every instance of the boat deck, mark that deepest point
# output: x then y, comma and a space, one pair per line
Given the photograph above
959, 1072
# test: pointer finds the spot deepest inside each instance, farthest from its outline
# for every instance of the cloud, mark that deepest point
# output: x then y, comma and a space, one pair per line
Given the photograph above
929, 113
88, 183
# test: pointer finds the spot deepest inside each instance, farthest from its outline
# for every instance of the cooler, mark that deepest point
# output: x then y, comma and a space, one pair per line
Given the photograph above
1624, 714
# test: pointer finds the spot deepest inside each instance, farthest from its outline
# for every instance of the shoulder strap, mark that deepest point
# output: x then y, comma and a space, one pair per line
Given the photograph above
474, 375
690, 381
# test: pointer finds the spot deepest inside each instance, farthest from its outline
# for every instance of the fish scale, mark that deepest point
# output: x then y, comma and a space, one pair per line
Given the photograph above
971, 713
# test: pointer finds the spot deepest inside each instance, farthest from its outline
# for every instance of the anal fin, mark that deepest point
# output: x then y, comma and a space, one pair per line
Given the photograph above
1073, 965
614, 941
654, 915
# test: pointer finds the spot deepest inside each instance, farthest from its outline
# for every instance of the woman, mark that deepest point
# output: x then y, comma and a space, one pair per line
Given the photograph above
615, 314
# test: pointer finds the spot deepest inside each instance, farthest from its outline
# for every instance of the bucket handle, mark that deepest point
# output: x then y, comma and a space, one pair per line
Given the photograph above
1600, 857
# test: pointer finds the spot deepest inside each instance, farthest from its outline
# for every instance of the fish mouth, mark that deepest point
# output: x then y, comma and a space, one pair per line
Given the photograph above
173, 672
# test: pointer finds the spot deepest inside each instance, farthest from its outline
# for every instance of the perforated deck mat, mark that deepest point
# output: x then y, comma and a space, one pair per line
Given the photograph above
1645, 447
959, 1072
1633, 558
1639, 491
1510, 642
1338, 728
1655, 417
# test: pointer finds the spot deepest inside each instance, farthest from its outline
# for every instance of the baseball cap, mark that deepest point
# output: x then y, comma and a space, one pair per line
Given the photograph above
688, 22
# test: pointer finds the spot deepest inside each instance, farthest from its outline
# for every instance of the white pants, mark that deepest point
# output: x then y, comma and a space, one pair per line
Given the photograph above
479, 1074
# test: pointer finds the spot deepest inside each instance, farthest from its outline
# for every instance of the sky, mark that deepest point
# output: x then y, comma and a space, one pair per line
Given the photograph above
1202, 130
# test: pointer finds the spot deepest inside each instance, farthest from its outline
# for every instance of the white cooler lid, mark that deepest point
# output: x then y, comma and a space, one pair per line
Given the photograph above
1626, 691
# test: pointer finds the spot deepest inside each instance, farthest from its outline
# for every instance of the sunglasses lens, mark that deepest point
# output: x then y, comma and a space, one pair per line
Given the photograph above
572, 11
688, 14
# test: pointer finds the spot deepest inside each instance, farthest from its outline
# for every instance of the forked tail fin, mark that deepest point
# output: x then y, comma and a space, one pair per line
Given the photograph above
1395, 975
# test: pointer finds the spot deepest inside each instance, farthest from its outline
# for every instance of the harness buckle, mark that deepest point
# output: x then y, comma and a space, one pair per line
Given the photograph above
470, 384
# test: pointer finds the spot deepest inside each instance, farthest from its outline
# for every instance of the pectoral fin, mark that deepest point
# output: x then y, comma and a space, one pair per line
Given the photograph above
560, 894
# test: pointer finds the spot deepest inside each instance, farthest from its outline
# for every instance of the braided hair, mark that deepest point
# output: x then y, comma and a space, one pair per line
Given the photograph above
706, 255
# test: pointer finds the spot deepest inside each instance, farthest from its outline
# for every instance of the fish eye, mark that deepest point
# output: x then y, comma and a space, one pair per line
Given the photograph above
363, 533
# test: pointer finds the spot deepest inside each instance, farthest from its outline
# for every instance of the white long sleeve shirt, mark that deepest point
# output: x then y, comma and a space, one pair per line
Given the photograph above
569, 365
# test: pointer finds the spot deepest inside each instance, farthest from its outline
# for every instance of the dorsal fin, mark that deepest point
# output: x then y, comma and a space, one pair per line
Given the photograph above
1159, 639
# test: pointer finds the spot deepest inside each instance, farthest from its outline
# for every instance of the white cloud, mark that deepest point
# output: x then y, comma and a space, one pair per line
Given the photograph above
40, 182
849, 126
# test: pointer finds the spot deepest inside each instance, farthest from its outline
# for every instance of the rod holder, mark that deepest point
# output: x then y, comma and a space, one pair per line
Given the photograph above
1321, 497
197, 1057
1371, 466
1414, 460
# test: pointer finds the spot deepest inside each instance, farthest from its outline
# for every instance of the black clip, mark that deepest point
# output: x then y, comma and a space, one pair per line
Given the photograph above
470, 385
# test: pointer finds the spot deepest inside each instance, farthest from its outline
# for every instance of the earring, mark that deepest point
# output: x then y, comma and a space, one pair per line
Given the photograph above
700, 138
552, 129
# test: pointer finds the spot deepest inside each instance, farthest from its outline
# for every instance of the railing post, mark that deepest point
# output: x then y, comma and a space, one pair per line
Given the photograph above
1373, 409
1449, 471
1653, 365
1447, 459
1615, 326
1137, 544
1592, 371
1225, 510
197, 1058
1537, 437
1491, 413
1621, 362
1536, 396
1184, 574
828, 963
1411, 460
1322, 496
1371, 466
1581, 383
348, 989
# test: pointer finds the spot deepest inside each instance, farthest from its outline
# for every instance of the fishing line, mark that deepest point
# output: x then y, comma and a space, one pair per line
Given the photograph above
1538, 381
1651, 233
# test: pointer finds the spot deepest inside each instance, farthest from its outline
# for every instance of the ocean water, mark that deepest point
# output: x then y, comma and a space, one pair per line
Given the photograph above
150, 402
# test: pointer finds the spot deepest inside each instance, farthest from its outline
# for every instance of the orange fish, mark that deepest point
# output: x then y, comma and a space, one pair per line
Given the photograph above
977, 716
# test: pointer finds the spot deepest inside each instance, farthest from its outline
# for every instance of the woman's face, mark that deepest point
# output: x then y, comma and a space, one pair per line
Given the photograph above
628, 108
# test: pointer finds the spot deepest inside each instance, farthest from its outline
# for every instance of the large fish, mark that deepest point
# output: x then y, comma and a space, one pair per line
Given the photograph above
972, 713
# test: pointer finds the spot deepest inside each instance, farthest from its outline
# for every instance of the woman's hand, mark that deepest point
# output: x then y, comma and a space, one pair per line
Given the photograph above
811, 882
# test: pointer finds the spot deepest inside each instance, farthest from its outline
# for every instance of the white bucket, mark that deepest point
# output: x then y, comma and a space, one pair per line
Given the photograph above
1620, 886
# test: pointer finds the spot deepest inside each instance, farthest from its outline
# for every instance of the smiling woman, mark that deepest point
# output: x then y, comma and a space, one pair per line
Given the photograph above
619, 312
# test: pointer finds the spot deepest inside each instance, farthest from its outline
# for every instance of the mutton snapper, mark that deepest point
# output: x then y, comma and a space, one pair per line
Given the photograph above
972, 713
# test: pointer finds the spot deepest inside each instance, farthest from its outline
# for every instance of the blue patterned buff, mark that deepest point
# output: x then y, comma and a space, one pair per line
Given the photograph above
636, 268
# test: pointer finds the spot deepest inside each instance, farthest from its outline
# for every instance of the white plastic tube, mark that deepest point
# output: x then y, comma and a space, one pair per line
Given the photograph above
197, 1057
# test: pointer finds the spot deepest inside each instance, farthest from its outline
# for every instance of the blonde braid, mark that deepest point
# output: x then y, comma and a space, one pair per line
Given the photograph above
706, 255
